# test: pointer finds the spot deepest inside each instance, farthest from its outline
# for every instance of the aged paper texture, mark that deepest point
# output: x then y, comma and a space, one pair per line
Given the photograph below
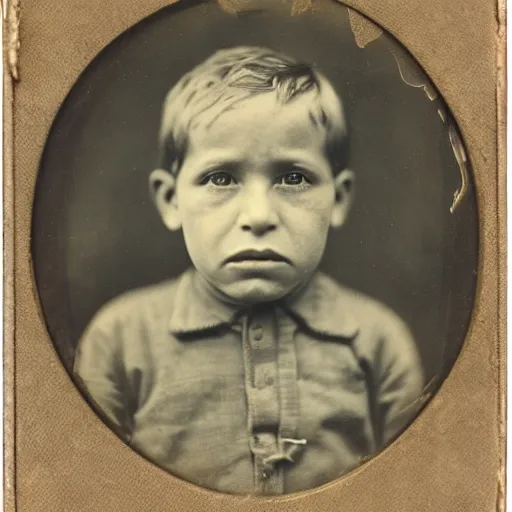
60, 456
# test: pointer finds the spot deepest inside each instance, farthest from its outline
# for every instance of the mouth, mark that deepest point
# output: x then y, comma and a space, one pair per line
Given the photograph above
252, 255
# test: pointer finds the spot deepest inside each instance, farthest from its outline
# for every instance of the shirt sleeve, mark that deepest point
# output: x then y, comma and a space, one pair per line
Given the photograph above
400, 380
99, 366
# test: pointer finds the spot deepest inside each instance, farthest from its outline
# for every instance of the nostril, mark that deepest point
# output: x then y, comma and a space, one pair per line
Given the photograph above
259, 228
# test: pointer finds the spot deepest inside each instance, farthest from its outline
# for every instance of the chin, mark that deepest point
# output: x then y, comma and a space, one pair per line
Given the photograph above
257, 291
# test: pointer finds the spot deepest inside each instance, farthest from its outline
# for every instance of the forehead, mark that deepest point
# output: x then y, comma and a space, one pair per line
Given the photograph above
263, 126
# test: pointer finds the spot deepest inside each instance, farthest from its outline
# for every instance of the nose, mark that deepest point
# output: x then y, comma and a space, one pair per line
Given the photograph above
257, 210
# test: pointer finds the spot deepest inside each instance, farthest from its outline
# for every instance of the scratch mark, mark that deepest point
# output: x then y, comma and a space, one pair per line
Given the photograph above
462, 160
424, 397
364, 30
13, 37
412, 74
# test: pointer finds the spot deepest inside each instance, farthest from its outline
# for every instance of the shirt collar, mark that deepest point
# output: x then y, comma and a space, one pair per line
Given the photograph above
322, 306
197, 308
325, 307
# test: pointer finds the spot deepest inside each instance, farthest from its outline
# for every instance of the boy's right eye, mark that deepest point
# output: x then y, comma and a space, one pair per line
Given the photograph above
219, 179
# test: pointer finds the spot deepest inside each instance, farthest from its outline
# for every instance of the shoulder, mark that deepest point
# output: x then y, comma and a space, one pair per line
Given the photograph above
146, 303
366, 311
373, 323
126, 323
381, 337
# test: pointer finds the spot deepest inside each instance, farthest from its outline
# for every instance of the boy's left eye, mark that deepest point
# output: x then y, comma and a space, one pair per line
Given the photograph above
292, 178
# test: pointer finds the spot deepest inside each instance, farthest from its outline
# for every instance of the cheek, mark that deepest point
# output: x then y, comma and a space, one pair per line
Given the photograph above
200, 234
312, 214
309, 222
197, 202
203, 228
309, 236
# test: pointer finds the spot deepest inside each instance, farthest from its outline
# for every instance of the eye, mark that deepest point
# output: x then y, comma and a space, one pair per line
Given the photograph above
219, 179
292, 178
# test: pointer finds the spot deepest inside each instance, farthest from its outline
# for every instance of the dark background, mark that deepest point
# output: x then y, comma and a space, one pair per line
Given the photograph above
97, 234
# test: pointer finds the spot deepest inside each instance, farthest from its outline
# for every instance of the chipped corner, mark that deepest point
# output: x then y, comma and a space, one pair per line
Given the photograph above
364, 30
294, 7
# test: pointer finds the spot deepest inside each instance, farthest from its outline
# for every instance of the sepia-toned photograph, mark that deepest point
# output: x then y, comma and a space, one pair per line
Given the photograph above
255, 242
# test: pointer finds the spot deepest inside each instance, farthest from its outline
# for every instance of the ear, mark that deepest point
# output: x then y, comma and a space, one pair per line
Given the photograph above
344, 184
162, 186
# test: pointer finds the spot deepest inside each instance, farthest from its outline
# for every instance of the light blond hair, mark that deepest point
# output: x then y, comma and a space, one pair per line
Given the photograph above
235, 75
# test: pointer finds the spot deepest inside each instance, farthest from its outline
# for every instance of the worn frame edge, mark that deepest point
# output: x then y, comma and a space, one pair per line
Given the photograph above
10, 21
9, 12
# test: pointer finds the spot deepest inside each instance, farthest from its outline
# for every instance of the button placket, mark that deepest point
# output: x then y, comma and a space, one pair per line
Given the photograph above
288, 441
263, 404
264, 350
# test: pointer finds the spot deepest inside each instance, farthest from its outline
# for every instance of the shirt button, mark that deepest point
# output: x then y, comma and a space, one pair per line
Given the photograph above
257, 332
266, 474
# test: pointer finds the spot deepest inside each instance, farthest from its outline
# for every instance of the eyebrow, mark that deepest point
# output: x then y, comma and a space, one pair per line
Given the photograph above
218, 157
299, 158
232, 159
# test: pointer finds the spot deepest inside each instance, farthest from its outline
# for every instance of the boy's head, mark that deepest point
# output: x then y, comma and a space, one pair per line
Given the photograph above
253, 170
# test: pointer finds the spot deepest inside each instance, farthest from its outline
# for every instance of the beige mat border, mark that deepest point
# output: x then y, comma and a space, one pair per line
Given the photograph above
65, 459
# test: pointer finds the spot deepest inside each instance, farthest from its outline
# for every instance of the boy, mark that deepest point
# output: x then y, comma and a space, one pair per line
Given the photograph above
252, 372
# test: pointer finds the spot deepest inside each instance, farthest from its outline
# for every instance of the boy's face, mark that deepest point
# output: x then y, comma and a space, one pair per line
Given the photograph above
255, 197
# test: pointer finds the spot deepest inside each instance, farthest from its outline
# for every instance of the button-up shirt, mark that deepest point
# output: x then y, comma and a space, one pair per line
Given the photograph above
269, 399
